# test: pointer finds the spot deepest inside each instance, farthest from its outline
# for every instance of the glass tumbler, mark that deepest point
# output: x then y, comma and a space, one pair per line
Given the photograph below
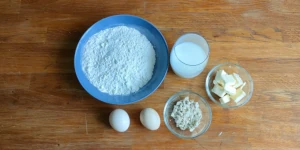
189, 55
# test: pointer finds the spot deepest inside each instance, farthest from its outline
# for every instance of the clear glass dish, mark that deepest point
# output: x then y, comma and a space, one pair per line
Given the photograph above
229, 68
204, 123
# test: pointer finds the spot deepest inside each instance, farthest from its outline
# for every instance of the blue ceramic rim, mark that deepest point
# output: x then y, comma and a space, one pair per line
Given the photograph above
78, 50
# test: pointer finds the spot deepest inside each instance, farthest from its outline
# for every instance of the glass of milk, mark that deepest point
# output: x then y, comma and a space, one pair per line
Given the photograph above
189, 55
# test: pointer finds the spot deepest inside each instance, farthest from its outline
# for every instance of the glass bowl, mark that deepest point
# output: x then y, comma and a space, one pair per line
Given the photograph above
204, 123
229, 68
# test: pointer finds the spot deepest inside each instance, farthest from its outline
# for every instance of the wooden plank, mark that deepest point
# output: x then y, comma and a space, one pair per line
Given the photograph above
23, 35
239, 34
10, 6
43, 106
290, 34
193, 20
47, 58
14, 81
78, 7
202, 6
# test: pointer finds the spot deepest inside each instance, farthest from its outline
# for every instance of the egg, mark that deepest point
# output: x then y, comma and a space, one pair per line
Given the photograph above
150, 119
119, 120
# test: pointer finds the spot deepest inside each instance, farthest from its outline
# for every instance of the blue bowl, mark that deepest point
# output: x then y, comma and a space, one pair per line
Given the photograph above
154, 36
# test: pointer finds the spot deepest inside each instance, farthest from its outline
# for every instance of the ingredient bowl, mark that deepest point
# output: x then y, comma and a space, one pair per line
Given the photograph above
229, 68
204, 107
161, 55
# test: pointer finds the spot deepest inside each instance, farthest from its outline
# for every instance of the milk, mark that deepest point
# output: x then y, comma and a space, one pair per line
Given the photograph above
189, 55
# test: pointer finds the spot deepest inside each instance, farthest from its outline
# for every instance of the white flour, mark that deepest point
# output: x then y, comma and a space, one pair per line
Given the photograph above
118, 60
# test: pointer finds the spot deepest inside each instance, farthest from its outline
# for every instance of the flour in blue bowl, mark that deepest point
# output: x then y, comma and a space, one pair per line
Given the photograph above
118, 60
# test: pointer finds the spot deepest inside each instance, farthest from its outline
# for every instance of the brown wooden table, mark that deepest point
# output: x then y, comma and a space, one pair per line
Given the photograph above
43, 105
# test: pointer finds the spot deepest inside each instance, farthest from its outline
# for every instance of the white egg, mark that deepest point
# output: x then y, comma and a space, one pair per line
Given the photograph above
150, 119
119, 120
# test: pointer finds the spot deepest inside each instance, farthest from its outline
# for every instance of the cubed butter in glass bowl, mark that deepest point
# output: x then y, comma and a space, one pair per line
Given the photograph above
229, 68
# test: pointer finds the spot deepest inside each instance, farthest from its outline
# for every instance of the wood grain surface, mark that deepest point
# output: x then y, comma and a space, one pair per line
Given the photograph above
43, 106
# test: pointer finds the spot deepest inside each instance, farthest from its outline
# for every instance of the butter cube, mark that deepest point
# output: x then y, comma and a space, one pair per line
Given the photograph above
224, 99
240, 94
228, 79
238, 80
218, 78
217, 89
230, 89
242, 86
220, 82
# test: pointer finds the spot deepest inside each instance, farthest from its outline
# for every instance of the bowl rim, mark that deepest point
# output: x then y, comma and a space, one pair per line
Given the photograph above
205, 103
88, 88
216, 101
